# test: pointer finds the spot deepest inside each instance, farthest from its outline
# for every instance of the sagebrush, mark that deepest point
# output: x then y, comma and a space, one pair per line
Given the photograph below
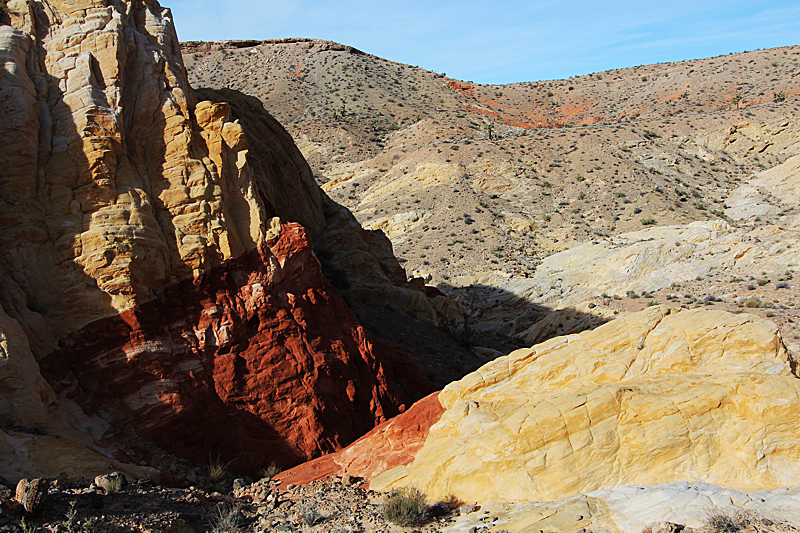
406, 506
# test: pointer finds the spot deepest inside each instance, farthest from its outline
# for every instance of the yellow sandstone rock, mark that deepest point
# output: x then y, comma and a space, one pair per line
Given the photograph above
657, 396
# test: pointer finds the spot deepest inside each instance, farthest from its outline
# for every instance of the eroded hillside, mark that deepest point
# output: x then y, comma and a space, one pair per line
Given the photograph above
481, 187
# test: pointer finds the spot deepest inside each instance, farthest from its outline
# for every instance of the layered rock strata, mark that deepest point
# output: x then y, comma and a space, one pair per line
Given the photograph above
657, 396
653, 397
360, 262
145, 269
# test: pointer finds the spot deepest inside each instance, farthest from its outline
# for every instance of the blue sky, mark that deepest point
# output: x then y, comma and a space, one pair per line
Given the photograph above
506, 40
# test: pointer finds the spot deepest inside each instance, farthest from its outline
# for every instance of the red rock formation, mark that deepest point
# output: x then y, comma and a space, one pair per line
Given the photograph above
144, 267
257, 361
393, 443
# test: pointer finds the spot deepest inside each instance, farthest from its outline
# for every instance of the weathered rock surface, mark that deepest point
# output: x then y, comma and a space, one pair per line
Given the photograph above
645, 260
32, 494
652, 397
767, 193
393, 443
631, 508
31, 442
360, 262
258, 361
145, 269
777, 137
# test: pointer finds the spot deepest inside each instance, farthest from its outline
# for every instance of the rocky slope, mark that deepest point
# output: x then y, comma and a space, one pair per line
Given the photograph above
479, 186
158, 290
658, 396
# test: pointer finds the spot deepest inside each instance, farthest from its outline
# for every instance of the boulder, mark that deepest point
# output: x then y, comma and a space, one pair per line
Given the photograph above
657, 396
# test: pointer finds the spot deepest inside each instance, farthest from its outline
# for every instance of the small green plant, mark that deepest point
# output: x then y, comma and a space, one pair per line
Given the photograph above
648, 221
737, 98
26, 527
71, 520
406, 507
779, 97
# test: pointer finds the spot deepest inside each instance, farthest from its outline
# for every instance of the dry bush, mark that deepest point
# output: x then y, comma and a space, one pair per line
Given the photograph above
226, 519
271, 471
217, 469
406, 506
722, 521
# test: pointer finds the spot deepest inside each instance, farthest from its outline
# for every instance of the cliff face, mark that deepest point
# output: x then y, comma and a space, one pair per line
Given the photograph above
145, 267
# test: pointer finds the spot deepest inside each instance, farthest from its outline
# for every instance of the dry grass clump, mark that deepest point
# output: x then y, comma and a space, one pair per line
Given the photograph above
723, 521
271, 471
217, 469
406, 506
742, 520
226, 519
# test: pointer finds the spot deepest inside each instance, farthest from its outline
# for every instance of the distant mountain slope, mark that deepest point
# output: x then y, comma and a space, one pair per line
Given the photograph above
477, 185
408, 150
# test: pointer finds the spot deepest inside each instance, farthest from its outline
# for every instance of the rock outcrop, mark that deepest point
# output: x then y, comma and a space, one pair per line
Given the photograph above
391, 444
645, 260
743, 139
359, 262
767, 194
657, 396
152, 277
633, 508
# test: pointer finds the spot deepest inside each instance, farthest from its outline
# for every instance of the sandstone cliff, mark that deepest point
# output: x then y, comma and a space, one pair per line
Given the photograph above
151, 273
653, 397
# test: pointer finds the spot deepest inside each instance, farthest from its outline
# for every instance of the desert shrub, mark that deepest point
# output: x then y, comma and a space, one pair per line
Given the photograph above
226, 519
405, 506
753, 303
271, 471
736, 520
722, 521
648, 221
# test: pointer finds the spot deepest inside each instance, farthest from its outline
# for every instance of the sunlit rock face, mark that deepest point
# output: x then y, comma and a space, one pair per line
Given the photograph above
657, 396
149, 274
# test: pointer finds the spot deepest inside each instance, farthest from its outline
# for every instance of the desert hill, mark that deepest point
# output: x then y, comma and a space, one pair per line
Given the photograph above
569, 162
